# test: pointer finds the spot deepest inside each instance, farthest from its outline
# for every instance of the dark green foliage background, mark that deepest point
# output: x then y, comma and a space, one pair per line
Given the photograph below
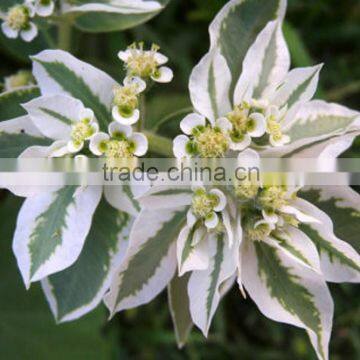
317, 31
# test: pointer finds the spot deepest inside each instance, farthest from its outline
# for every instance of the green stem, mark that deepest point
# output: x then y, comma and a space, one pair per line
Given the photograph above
64, 36
141, 122
170, 116
158, 144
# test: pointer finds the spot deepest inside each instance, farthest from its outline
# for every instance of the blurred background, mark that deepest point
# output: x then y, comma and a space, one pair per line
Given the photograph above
325, 31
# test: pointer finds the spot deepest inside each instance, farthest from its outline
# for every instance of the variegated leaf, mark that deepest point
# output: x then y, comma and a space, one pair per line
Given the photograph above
265, 65
179, 308
150, 261
51, 230
205, 286
159, 197
80, 288
111, 15
339, 206
58, 72
287, 291
213, 80
53, 115
299, 85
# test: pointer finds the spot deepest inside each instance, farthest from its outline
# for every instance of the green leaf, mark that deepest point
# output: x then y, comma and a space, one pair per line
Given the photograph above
179, 308
80, 288
10, 101
26, 325
12, 145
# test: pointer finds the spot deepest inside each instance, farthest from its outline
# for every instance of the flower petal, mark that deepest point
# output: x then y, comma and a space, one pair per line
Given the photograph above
259, 125
301, 216
29, 34
74, 147
212, 220
191, 219
141, 84
222, 199
141, 144
163, 75
189, 122
44, 10
115, 128
8, 31
224, 124
242, 144
160, 58
125, 120
124, 55
179, 146
95, 141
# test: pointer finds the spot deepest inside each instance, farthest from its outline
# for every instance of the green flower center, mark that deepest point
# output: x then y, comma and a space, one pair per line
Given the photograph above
18, 17
274, 128
261, 232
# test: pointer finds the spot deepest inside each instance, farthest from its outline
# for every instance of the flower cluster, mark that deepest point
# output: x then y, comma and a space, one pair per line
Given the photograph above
18, 20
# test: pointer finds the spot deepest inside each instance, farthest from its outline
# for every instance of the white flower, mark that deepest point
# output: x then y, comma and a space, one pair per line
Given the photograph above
146, 63
126, 100
44, 7
17, 21
202, 138
121, 142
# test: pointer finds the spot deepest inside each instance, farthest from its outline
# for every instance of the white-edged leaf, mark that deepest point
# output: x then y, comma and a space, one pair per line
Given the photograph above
319, 129
339, 206
204, 286
58, 72
179, 308
159, 197
53, 115
192, 257
111, 15
232, 32
80, 288
51, 229
209, 86
265, 65
20, 125
286, 291
299, 85
150, 260
122, 198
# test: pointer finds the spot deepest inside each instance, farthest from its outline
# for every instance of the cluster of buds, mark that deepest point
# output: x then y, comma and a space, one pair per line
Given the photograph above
18, 20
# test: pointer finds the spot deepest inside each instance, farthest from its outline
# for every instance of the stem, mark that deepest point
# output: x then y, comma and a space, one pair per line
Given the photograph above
64, 36
158, 144
141, 122
170, 116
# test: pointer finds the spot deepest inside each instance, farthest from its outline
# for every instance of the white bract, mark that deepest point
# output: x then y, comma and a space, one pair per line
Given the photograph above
17, 21
146, 64
44, 8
